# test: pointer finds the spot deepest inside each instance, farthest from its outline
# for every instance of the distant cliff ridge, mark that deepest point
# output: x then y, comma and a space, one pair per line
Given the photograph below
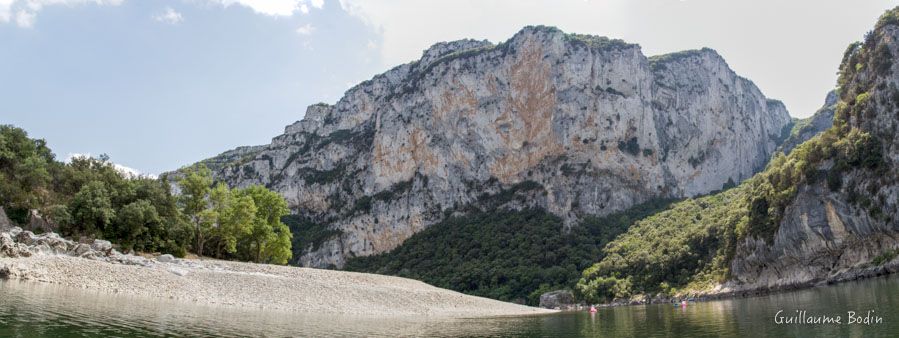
576, 125
805, 129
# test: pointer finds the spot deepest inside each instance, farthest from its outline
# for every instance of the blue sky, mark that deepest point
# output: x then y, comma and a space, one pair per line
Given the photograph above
158, 84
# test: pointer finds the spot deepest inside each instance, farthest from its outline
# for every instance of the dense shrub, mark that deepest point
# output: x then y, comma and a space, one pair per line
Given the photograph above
506, 255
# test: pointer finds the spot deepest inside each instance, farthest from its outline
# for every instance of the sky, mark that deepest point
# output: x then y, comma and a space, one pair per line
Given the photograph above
158, 84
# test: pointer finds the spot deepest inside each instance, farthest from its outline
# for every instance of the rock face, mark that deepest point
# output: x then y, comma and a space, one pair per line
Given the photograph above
5, 223
577, 125
559, 299
832, 234
822, 238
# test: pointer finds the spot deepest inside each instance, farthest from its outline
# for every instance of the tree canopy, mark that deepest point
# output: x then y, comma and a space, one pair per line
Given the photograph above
89, 197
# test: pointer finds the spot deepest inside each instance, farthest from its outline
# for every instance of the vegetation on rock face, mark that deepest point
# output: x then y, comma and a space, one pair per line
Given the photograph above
690, 246
506, 255
630, 146
597, 42
659, 62
887, 256
307, 234
683, 247
89, 197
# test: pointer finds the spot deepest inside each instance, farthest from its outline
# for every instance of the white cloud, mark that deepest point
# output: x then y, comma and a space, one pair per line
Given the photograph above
24, 18
5, 10
128, 172
306, 29
23, 12
169, 16
273, 7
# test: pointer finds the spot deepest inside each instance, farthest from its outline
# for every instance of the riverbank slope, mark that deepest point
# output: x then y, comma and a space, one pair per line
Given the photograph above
49, 259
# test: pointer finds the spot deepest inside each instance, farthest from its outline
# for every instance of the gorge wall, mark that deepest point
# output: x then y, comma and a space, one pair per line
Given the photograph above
577, 125
846, 226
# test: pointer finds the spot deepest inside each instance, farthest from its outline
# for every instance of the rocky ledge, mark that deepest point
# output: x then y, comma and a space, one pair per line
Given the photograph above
16, 243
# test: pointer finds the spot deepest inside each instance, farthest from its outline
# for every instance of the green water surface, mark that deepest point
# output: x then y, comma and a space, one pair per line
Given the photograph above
40, 310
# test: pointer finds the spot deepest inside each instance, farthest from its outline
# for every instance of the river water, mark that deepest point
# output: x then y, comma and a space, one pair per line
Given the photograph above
39, 310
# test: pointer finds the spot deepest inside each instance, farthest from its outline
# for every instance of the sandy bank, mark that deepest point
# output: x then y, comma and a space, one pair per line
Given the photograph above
248, 285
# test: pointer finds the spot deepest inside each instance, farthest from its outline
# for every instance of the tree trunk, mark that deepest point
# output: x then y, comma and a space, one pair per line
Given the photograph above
199, 237
200, 243
258, 251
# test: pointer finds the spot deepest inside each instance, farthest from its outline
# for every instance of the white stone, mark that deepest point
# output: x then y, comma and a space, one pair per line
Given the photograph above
178, 271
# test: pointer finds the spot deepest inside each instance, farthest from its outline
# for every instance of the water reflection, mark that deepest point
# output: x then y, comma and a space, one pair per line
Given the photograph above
30, 309
33, 309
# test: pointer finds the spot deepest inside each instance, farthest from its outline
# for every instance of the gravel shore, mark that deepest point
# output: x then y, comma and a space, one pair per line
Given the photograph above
248, 285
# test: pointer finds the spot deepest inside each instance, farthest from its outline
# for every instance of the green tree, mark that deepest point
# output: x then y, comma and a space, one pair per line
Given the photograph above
90, 197
269, 239
234, 218
195, 187
58, 214
24, 170
135, 224
91, 209
174, 233
278, 248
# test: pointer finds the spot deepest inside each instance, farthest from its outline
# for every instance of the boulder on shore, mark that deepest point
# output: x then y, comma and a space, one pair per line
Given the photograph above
101, 245
80, 249
39, 223
9, 247
559, 299
15, 242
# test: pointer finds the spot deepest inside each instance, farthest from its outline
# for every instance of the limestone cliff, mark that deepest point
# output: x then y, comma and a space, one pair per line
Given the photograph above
577, 125
845, 226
